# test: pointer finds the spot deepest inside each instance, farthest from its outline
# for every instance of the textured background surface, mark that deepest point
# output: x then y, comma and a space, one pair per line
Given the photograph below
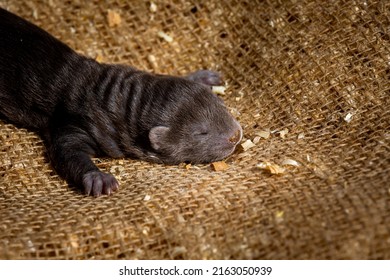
321, 69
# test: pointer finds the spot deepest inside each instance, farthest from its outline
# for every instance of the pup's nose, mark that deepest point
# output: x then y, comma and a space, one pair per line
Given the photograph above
236, 138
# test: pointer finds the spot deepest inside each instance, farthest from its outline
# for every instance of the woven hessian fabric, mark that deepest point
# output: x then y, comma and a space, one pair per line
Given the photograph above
315, 74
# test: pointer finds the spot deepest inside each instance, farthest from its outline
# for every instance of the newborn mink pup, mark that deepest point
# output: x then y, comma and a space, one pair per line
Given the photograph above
82, 108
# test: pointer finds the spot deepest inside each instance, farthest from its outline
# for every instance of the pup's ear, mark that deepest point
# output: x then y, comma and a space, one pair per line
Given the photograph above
157, 135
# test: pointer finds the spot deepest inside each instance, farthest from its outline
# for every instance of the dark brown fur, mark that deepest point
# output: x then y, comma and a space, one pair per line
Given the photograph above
83, 108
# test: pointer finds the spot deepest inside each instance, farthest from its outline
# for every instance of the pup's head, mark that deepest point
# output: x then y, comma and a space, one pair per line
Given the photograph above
195, 127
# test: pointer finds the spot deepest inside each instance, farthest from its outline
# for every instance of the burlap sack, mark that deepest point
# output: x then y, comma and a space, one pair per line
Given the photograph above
314, 74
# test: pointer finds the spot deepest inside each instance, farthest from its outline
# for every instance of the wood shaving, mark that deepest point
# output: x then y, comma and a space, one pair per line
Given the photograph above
271, 167
283, 133
146, 230
234, 112
218, 89
165, 36
99, 58
153, 61
290, 162
153, 7
348, 117
247, 145
279, 214
113, 18
35, 14
219, 165
179, 250
263, 134
301, 135
188, 166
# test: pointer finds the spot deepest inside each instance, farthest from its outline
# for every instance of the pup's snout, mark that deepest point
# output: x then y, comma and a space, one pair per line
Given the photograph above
236, 137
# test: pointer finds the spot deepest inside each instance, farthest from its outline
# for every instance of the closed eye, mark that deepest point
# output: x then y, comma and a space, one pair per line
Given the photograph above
200, 130
201, 133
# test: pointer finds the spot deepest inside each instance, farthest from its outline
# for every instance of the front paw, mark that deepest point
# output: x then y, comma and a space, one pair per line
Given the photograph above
97, 183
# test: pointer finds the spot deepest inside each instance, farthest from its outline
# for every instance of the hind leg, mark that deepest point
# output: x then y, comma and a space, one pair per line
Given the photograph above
206, 77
